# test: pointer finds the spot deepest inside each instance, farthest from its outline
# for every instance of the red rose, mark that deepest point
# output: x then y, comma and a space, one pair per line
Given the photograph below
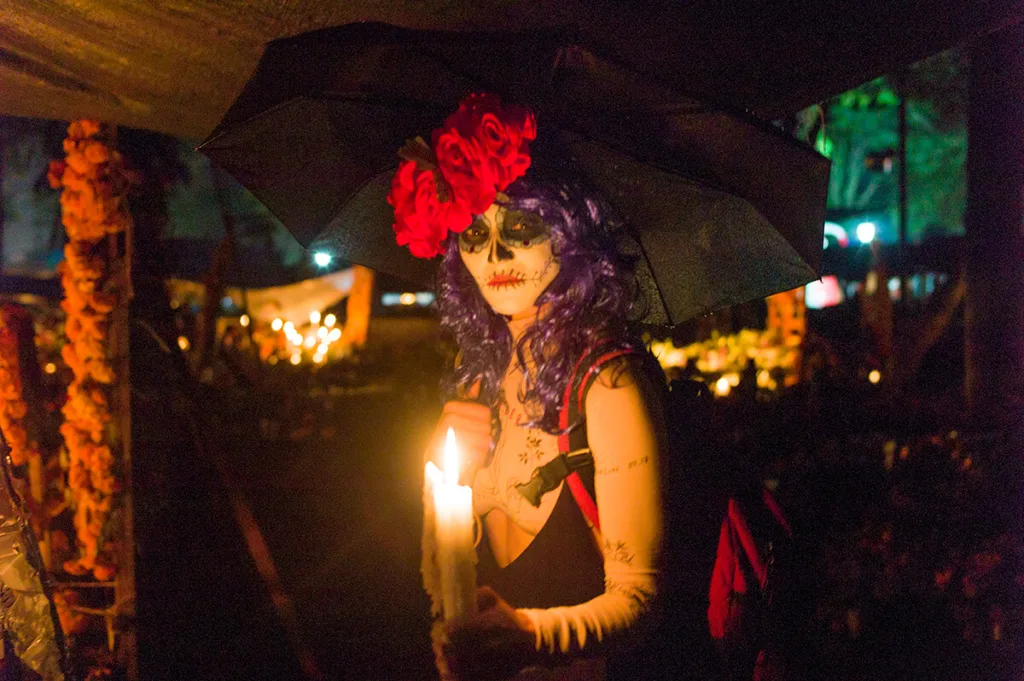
479, 150
468, 169
422, 220
507, 144
504, 133
467, 118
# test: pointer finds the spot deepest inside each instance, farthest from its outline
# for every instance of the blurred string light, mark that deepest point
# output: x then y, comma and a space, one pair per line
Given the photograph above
244, 320
407, 299
50, 368
314, 342
875, 376
727, 356
765, 380
183, 343
322, 259
722, 387
866, 232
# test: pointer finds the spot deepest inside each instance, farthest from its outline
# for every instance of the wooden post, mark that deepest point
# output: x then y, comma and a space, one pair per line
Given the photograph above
120, 259
358, 308
904, 228
994, 333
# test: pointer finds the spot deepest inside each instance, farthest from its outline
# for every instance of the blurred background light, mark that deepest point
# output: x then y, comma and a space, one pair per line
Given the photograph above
866, 232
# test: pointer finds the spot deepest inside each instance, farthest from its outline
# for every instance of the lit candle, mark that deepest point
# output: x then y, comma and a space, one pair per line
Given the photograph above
453, 532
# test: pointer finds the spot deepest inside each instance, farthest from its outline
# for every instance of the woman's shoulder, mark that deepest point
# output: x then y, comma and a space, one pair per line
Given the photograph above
615, 365
630, 367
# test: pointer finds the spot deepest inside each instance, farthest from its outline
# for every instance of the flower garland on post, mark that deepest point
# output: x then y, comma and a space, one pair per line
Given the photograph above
93, 211
18, 425
13, 408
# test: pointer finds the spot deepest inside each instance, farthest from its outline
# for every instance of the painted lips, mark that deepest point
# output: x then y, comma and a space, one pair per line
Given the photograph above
504, 281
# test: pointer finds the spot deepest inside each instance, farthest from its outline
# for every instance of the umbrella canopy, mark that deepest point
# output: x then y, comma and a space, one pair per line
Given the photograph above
722, 209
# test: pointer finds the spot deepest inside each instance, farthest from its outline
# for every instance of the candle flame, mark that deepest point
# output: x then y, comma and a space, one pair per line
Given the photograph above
451, 459
434, 474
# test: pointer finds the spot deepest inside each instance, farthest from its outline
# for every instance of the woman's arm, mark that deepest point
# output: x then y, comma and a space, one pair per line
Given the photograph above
625, 430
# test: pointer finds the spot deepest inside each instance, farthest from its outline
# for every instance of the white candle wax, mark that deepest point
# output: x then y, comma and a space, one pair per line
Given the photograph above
453, 522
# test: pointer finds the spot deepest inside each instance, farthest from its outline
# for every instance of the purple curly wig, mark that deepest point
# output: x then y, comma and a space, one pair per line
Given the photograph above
590, 302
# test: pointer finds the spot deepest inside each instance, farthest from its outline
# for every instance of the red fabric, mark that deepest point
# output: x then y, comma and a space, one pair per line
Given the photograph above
734, 540
725, 578
583, 500
773, 506
746, 540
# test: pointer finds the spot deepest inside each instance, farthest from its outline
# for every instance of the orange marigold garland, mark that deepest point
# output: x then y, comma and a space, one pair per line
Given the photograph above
13, 408
93, 209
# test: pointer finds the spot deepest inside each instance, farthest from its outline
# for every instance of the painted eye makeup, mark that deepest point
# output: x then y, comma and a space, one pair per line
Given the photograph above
475, 237
523, 229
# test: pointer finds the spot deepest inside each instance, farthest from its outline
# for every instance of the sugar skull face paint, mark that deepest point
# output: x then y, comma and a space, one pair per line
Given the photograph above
509, 255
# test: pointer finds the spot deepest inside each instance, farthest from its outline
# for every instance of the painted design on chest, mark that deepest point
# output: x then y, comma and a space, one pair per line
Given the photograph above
517, 453
508, 412
533, 452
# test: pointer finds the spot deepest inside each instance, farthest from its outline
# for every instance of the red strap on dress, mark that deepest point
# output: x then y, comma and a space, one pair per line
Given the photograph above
576, 486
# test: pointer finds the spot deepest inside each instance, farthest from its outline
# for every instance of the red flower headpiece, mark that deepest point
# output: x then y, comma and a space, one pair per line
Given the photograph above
479, 151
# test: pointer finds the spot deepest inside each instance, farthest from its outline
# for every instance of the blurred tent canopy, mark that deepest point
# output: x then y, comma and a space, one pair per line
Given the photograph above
176, 67
289, 303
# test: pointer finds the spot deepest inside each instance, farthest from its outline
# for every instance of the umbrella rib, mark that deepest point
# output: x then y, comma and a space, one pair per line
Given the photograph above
654, 278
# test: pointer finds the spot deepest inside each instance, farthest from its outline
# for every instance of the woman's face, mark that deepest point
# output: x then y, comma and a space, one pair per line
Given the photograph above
509, 255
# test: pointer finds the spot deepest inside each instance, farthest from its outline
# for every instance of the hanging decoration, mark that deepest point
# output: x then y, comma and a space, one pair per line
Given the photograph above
13, 409
94, 211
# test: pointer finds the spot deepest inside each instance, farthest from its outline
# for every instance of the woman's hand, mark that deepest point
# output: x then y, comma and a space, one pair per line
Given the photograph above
471, 422
496, 643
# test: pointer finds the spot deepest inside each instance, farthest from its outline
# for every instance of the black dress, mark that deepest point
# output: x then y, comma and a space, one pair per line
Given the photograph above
561, 567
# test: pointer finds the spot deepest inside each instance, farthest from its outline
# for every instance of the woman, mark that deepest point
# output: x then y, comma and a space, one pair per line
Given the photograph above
537, 297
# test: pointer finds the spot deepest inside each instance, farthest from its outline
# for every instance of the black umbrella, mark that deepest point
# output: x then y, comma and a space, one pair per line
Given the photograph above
723, 208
